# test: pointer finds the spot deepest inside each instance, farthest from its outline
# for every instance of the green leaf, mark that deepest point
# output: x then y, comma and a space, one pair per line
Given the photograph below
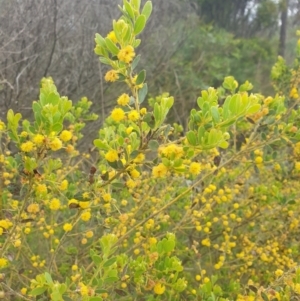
135, 62
62, 288
168, 245
157, 113
110, 279
100, 144
136, 43
153, 145
215, 114
141, 77
111, 46
253, 109
139, 24
264, 296
191, 137
234, 103
224, 144
37, 291
97, 259
136, 4
105, 61
150, 120
48, 278
110, 262
147, 9
142, 93
129, 9
99, 40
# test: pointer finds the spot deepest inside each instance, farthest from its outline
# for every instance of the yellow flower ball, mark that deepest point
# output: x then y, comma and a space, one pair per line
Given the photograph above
195, 168
133, 115
67, 227
117, 114
38, 139
112, 156
159, 288
65, 135
126, 54
27, 147
258, 160
123, 100
54, 204
111, 76
86, 216
112, 36
89, 234
55, 144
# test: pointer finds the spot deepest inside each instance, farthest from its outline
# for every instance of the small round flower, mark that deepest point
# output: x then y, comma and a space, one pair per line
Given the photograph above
112, 37
74, 267
278, 273
111, 76
65, 135
24, 134
129, 130
86, 216
106, 197
159, 171
23, 290
195, 168
123, 100
133, 115
84, 204
17, 243
112, 156
130, 183
41, 188
5, 224
139, 158
55, 144
297, 166
126, 54
135, 173
54, 204
38, 139
89, 234
159, 288
27, 230
258, 160
67, 227
3, 262
64, 185
117, 114
27, 147
33, 208
143, 111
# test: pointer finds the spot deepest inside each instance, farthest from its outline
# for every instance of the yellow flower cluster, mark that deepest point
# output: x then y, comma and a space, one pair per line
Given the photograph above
111, 76
159, 171
112, 156
117, 114
171, 151
123, 100
126, 54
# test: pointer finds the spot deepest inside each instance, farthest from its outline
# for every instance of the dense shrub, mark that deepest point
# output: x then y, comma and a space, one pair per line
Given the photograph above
152, 212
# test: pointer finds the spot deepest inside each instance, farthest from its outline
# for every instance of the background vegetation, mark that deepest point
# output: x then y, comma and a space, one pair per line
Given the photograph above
188, 45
